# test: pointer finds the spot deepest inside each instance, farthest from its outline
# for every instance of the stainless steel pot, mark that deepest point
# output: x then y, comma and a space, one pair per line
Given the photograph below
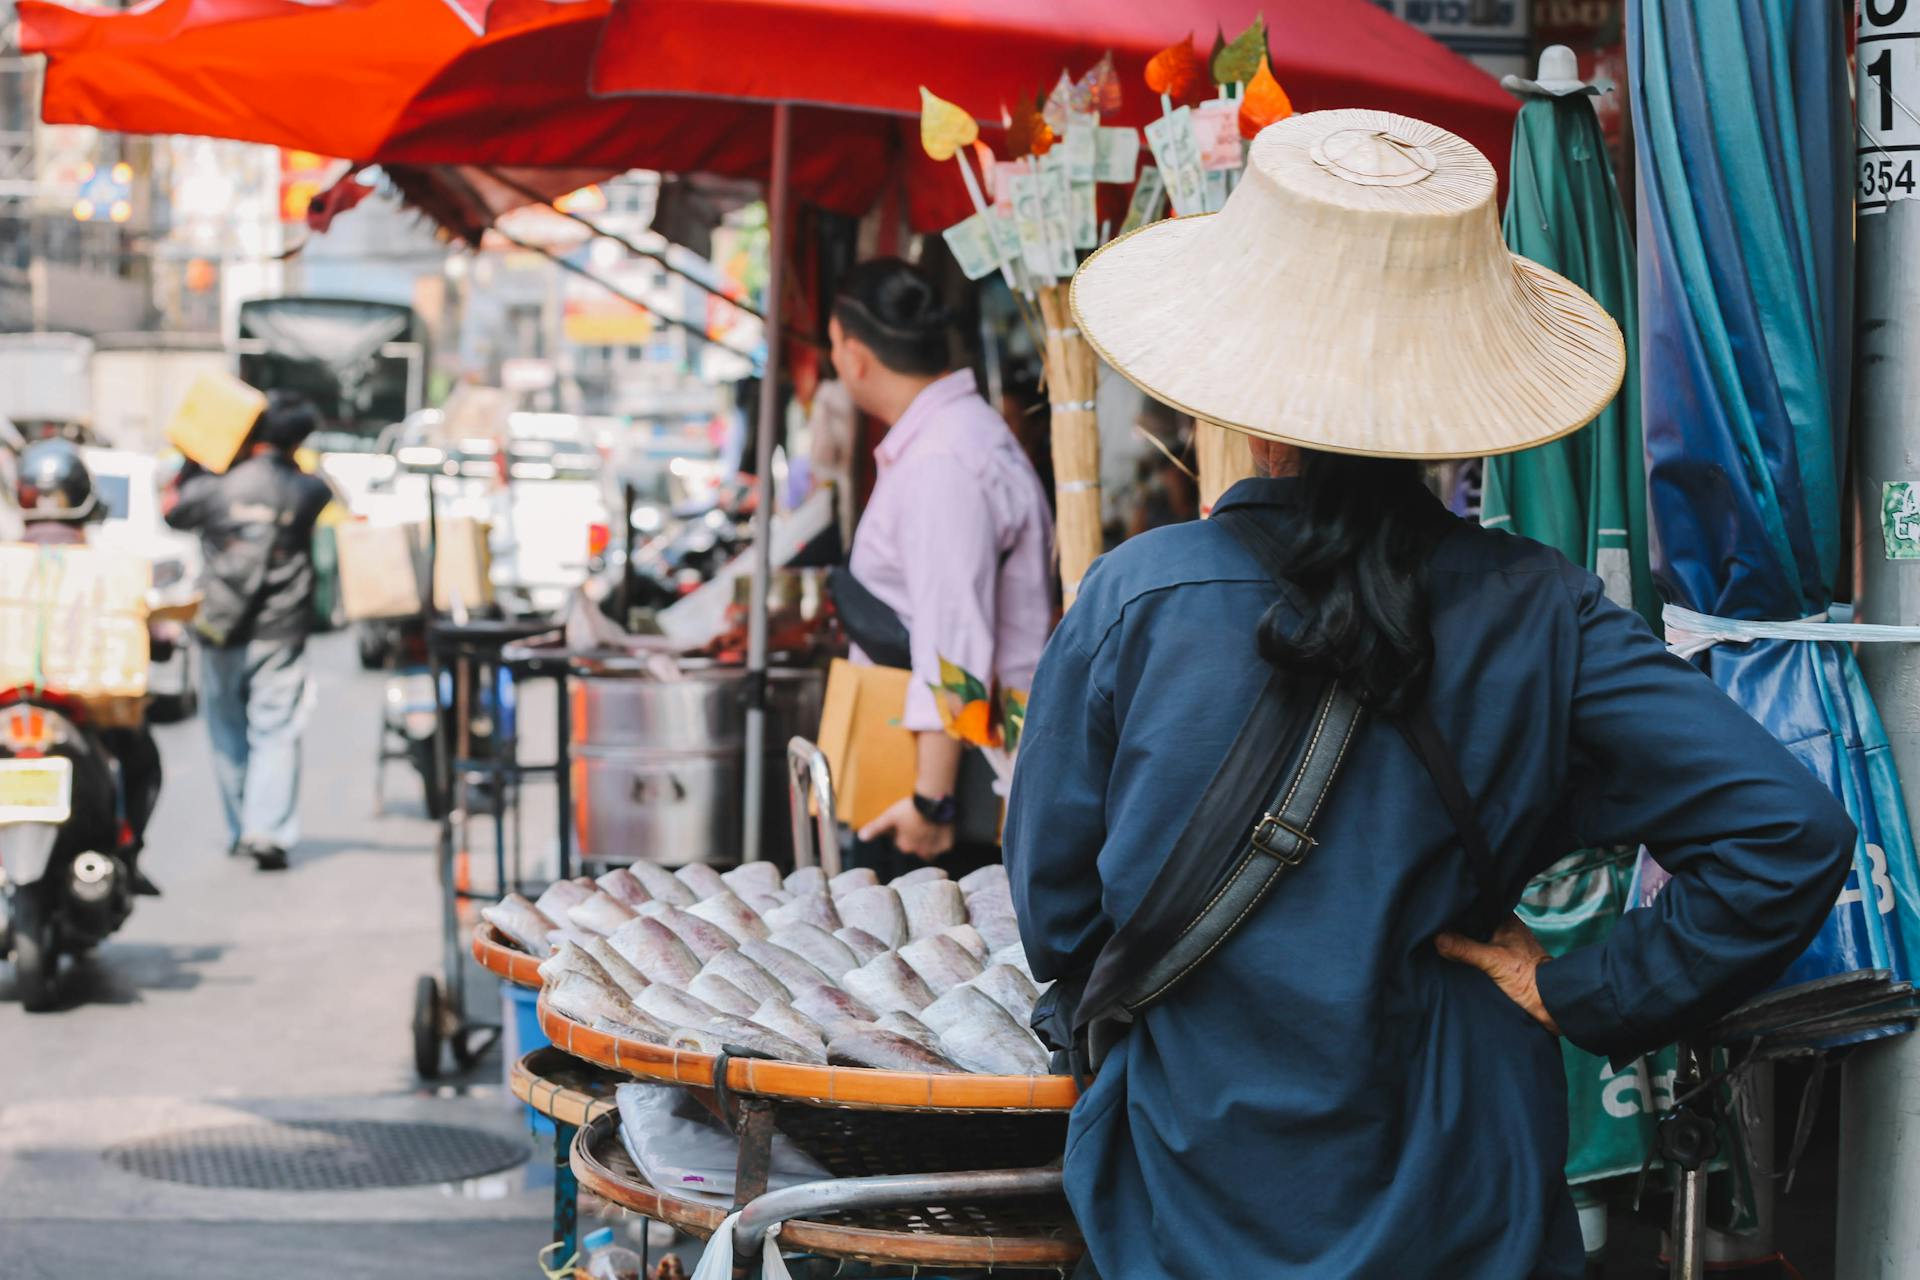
658, 764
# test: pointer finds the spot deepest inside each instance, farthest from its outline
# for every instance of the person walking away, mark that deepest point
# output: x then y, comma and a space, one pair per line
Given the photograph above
255, 523
957, 540
1359, 1074
54, 492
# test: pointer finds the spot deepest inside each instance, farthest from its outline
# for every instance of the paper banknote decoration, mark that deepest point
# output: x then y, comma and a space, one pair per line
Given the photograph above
972, 245
1116, 155
1082, 145
1177, 153
1148, 196
1216, 128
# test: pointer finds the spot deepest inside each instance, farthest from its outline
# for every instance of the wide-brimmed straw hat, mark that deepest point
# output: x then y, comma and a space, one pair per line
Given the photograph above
1355, 296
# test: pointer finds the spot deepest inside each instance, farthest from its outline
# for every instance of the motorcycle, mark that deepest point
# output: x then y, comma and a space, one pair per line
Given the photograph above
65, 883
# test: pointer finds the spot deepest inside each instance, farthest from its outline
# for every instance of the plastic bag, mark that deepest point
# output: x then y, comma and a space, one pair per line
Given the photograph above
684, 1151
716, 1263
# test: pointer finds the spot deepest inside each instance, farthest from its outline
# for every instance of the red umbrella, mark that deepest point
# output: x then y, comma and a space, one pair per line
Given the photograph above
817, 98
684, 86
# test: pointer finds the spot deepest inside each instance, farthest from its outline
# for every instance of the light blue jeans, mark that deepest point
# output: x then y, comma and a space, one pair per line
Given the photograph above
254, 706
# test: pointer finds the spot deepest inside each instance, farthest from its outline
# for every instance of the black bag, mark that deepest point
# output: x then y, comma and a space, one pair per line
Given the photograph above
1233, 850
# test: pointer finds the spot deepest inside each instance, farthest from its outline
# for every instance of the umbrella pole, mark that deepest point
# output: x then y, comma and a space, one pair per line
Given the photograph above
754, 768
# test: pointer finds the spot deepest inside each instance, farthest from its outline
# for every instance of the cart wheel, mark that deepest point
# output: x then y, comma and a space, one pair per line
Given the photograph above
426, 1028
36, 957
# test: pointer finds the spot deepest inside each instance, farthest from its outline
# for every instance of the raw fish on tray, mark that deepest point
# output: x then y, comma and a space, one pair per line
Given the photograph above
814, 908
617, 966
877, 910
941, 962
885, 1051
703, 937
923, 974
744, 973
562, 894
601, 914
806, 880
625, 886
725, 910
662, 885
753, 877
701, 879
887, 982
524, 923
863, 944
655, 951
818, 948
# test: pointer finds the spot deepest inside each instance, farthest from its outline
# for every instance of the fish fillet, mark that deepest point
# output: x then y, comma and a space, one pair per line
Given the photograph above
525, 924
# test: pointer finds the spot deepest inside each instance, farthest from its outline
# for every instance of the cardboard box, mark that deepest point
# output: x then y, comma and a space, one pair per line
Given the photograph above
215, 419
872, 757
382, 568
74, 620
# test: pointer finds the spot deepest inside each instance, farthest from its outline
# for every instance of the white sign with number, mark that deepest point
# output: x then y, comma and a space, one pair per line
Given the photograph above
1887, 147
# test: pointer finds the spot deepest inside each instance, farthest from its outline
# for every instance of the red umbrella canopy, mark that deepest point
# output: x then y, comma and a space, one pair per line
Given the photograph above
325, 77
684, 85
988, 54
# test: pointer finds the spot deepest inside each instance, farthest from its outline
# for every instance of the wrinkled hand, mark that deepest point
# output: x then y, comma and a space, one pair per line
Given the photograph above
1512, 958
912, 834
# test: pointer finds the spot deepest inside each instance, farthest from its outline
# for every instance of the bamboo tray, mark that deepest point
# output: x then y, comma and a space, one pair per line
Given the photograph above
498, 956
562, 1088
1036, 1232
854, 1087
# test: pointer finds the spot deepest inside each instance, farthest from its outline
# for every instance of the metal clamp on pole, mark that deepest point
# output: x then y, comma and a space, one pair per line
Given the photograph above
810, 793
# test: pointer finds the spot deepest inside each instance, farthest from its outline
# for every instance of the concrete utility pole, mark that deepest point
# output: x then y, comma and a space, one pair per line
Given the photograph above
1878, 1230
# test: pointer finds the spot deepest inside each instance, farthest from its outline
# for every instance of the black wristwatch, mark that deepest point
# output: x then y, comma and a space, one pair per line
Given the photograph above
945, 811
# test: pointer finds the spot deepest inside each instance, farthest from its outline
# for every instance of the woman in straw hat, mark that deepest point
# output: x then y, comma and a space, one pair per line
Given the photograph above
1363, 1078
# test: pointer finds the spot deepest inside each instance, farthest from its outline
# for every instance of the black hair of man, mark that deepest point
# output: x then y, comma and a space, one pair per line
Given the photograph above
893, 307
287, 421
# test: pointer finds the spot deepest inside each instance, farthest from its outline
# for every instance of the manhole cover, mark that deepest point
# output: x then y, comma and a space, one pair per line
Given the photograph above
319, 1155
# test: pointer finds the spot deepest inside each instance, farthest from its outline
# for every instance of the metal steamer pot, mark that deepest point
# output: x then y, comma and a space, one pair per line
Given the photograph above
658, 764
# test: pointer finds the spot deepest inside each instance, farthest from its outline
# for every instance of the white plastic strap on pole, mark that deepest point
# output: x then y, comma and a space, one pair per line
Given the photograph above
716, 1262
1065, 406
1690, 633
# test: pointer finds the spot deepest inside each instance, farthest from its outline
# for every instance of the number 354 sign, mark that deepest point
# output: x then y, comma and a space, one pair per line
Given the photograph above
1889, 104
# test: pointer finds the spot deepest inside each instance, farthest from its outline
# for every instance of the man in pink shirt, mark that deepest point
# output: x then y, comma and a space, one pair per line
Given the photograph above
957, 538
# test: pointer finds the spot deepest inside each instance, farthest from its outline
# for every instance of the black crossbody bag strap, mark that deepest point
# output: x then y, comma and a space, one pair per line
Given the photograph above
1417, 727
1224, 863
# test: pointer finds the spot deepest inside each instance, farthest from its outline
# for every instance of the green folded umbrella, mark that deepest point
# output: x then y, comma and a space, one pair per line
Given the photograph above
1585, 494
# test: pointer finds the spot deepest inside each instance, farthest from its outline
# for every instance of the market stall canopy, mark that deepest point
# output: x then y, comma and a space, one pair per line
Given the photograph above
684, 87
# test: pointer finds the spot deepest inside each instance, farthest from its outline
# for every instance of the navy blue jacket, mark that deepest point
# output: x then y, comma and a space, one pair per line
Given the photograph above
1326, 1096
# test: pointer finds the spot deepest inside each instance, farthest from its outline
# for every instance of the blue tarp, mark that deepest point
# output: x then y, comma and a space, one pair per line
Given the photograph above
1744, 128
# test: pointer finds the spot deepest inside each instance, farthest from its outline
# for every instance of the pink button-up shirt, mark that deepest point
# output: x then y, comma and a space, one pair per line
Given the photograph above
957, 539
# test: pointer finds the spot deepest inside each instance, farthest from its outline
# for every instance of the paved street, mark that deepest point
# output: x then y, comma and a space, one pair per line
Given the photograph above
243, 998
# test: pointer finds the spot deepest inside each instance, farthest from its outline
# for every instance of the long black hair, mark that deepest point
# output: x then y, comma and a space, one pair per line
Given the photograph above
1357, 557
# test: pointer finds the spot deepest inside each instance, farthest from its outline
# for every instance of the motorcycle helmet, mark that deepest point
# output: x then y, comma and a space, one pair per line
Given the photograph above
54, 482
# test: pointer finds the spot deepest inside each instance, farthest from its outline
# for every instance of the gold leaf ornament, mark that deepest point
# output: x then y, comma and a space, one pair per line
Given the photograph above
1239, 60
944, 127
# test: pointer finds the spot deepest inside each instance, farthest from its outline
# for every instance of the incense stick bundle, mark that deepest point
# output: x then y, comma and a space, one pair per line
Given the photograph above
1226, 457
1072, 377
